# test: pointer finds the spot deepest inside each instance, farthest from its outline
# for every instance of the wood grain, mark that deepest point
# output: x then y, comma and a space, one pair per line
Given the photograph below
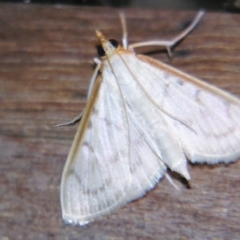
46, 57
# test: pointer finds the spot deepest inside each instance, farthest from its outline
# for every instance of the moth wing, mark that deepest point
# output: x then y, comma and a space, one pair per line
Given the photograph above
99, 175
204, 120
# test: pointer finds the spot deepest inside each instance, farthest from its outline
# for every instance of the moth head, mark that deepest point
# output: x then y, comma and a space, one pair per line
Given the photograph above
108, 47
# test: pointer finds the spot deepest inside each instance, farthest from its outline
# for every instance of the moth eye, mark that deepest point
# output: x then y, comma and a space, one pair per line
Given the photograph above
113, 42
101, 51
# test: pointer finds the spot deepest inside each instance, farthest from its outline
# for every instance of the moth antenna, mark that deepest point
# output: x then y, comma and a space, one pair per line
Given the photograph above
170, 43
193, 24
124, 29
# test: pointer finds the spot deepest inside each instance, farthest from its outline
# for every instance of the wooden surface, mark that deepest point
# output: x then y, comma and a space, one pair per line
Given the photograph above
46, 57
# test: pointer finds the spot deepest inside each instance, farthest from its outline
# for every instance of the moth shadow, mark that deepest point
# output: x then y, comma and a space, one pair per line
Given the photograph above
179, 178
174, 54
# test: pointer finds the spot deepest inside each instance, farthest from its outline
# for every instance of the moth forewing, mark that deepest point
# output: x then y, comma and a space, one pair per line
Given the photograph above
188, 78
212, 113
77, 142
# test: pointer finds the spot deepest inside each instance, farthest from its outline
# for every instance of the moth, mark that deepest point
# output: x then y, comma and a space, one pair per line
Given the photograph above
142, 118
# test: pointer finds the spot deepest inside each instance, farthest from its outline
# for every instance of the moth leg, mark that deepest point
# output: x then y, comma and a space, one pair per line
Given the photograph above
92, 80
170, 43
124, 29
94, 76
72, 122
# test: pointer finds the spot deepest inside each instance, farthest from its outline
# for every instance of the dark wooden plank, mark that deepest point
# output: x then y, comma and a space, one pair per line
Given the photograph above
46, 57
